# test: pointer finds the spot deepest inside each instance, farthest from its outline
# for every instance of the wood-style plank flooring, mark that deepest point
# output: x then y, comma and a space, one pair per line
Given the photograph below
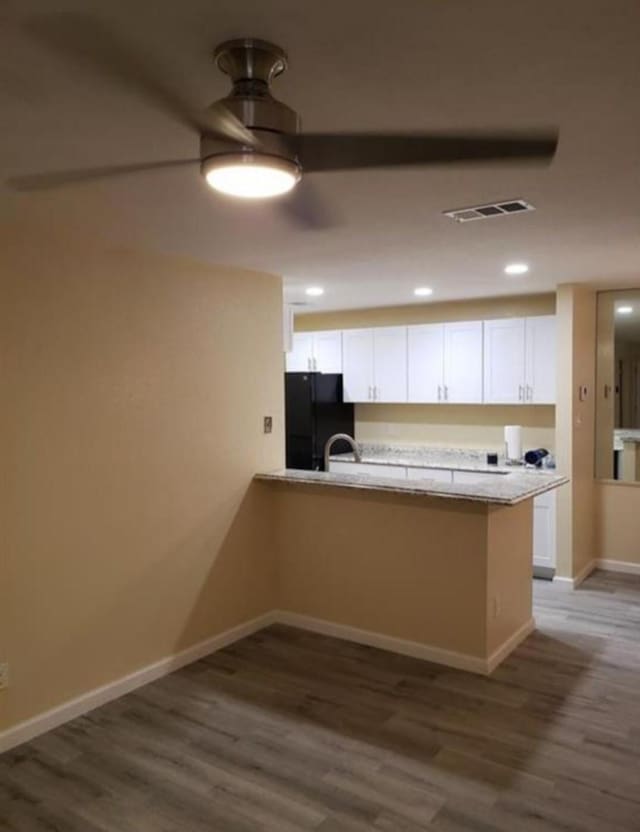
288, 730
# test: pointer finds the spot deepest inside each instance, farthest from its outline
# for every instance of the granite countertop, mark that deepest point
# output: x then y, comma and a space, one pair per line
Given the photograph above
419, 456
504, 489
508, 484
620, 436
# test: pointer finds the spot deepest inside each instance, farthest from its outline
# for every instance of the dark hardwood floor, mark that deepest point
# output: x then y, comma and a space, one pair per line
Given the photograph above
288, 730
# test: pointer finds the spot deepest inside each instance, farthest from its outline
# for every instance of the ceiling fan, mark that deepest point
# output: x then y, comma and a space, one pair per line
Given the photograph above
251, 145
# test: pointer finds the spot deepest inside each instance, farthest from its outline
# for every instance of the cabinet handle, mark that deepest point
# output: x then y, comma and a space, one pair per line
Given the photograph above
529, 393
370, 392
315, 364
308, 363
375, 392
439, 393
446, 393
519, 392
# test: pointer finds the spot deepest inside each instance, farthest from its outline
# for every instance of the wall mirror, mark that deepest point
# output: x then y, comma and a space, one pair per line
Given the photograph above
618, 386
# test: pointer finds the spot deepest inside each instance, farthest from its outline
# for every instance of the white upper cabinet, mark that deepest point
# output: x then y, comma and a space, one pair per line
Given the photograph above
319, 351
327, 351
445, 363
504, 361
375, 364
463, 362
426, 363
390, 364
519, 360
540, 360
357, 365
300, 358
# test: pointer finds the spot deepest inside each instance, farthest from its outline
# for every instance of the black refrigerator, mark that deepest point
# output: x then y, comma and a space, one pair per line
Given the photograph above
314, 411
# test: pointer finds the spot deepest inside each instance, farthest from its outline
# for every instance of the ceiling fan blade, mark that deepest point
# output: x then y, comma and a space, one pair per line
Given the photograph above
350, 151
58, 179
306, 208
93, 46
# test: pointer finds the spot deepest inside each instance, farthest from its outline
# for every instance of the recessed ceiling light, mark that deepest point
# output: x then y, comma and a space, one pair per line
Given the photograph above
314, 291
516, 268
423, 291
624, 310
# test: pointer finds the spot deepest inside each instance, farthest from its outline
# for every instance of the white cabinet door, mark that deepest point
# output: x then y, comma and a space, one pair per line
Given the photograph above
476, 476
436, 474
463, 362
299, 360
544, 530
372, 469
504, 361
357, 365
327, 351
425, 359
540, 350
390, 364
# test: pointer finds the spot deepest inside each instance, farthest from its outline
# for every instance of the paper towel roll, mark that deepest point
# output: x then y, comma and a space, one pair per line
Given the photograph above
513, 442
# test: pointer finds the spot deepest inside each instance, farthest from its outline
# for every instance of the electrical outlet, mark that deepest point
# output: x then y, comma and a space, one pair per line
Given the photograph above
268, 424
4, 675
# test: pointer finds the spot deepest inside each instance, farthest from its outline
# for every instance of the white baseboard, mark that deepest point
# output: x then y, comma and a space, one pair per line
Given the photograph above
25, 731
47, 721
618, 566
574, 583
597, 563
415, 649
499, 655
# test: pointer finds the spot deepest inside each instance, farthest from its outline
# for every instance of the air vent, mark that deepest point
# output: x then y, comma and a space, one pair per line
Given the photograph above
485, 212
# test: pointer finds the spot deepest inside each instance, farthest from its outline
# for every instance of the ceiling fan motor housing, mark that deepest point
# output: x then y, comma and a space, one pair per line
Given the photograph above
252, 64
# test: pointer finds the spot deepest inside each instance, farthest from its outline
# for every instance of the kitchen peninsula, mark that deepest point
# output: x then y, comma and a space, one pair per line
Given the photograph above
436, 569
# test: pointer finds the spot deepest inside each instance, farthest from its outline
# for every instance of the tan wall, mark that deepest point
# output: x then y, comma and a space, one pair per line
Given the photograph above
618, 521
415, 569
514, 306
133, 391
455, 425
459, 425
575, 427
509, 559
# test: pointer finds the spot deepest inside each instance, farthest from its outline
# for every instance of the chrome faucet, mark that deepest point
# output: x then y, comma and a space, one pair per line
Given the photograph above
335, 438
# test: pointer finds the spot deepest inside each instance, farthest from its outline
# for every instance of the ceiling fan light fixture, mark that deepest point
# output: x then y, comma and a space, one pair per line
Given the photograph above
251, 175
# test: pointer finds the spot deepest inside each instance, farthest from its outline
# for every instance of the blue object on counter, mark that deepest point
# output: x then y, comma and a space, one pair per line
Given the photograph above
536, 457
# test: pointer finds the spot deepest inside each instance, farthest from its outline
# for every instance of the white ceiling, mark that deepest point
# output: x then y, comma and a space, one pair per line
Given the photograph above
358, 65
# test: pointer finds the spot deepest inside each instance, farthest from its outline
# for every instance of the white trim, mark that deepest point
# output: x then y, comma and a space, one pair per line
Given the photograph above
574, 583
47, 721
451, 658
510, 644
25, 731
618, 566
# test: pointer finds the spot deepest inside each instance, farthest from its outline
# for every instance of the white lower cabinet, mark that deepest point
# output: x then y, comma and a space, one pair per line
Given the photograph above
394, 472
544, 530
436, 474
475, 476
